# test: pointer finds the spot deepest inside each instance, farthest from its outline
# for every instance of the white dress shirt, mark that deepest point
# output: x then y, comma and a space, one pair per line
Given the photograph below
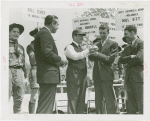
72, 54
47, 28
133, 42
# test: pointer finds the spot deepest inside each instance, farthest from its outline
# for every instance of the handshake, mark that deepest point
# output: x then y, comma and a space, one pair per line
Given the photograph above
93, 50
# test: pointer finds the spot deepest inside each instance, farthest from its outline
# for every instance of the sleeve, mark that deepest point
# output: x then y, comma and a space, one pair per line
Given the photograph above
72, 54
29, 50
124, 58
109, 59
47, 49
24, 66
139, 56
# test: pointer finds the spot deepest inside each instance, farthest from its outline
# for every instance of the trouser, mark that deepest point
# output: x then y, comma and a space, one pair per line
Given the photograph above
46, 98
34, 95
16, 88
33, 100
135, 96
76, 89
104, 89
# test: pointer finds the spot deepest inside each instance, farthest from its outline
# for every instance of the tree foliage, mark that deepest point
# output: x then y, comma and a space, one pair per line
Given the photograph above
102, 12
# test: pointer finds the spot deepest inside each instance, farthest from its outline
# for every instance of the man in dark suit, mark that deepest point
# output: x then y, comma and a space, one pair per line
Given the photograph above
48, 63
103, 75
133, 57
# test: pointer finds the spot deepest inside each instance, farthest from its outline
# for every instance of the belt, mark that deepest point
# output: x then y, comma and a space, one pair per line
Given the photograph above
15, 67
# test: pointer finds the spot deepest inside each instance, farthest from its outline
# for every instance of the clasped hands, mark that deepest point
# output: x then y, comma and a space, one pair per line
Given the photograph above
93, 50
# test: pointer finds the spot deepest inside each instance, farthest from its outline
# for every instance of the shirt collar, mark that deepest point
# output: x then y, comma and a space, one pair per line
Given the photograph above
104, 41
75, 43
134, 41
47, 28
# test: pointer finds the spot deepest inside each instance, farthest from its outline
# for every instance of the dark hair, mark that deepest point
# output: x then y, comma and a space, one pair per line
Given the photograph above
74, 33
49, 19
131, 28
104, 26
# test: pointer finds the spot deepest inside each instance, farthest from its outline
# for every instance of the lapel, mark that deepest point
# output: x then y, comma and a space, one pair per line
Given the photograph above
135, 44
55, 48
105, 46
99, 45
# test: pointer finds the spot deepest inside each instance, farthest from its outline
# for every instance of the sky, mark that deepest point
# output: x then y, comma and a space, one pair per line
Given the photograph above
63, 36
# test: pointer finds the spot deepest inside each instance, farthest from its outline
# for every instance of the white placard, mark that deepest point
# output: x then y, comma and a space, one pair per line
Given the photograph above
125, 17
34, 14
89, 25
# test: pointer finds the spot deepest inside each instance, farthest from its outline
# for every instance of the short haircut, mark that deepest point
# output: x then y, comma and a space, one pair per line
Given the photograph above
74, 33
104, 26
49, 19
131, 28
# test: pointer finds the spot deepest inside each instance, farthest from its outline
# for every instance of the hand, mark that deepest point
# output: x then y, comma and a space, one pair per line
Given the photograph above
63, 64
26, 82
31, 54
94, 53
133, 56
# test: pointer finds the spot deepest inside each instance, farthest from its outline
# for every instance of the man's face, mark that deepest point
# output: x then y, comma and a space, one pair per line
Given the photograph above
128, 35
103, 33
14, 34
55, 26
78, 38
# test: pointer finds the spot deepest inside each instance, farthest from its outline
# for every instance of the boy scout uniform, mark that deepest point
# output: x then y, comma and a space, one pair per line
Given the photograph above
17, 72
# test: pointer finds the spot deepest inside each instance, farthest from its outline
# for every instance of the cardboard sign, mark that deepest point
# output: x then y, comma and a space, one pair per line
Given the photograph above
89, 25
34, 14
125, 17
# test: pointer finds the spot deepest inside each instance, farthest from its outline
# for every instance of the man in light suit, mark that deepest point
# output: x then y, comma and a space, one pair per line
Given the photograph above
48, 63
103, 75
133, 57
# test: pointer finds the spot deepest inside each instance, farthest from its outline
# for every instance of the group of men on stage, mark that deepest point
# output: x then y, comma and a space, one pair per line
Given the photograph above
45, 74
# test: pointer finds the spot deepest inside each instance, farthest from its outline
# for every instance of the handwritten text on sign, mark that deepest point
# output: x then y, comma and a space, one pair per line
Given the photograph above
34, 14
89, 25
125, 17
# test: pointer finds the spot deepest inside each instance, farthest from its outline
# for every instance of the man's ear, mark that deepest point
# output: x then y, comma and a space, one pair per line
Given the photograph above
53, 24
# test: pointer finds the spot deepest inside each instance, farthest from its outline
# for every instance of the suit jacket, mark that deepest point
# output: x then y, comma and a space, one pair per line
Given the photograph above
134, 65
47, 58
102, 66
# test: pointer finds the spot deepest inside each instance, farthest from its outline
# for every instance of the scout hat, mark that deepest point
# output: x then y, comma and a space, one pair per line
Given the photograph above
14, 25
125, 45
33, 32
96, 40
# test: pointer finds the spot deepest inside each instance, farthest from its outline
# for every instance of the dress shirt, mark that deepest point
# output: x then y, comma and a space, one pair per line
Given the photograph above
72, 54
133, 42
47, 28
104, 41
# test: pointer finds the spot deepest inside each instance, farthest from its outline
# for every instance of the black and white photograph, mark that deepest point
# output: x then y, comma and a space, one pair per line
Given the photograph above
83, 57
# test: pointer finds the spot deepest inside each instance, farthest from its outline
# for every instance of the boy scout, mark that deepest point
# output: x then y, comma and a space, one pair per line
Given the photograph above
17, 70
